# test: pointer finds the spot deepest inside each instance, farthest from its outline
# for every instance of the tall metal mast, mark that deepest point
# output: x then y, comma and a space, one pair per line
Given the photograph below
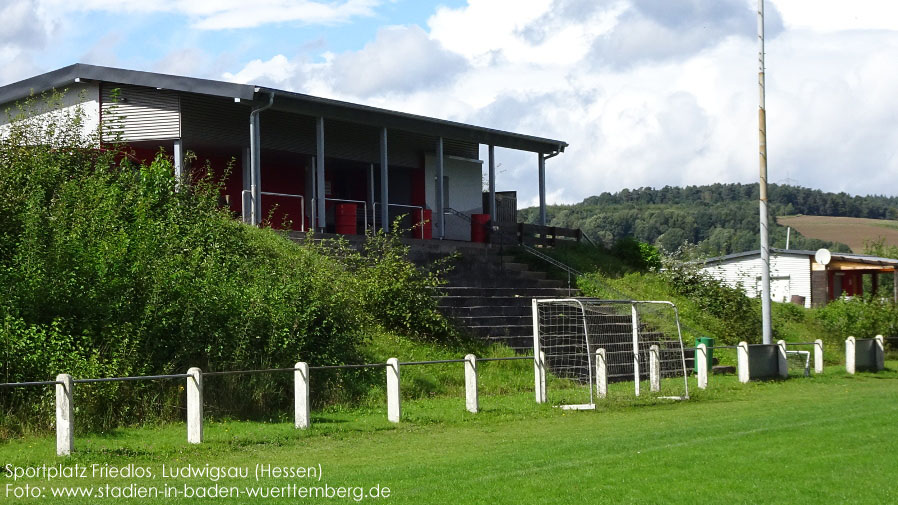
762, 135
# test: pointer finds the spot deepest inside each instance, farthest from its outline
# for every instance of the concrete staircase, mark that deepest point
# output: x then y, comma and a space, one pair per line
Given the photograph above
489, 293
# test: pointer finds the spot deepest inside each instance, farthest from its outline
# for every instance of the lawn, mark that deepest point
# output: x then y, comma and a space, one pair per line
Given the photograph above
824, 439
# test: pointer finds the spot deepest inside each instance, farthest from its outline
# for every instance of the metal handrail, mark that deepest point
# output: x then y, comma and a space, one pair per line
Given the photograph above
453, 212
552, 261
302, 203
419, 207
548, 259
364, 207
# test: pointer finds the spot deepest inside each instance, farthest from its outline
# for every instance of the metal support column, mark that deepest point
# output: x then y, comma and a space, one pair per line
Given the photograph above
441, 205
384, 182
319, 175
255, 148
254, 171
309, 194
542, 189
492, 161
371, 197
246, 196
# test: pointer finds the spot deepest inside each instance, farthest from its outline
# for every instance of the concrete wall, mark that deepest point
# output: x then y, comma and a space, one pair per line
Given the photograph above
465, 193
85, 95
790, 274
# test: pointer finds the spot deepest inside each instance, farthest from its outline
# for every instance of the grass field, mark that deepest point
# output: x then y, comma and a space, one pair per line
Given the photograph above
852, 231
825, 439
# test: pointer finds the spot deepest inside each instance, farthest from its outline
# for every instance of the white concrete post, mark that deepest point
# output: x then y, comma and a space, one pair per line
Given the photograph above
783, 363
539, 368
471, 402
301, 395
634, 318
742, 362
65, 425
194, 406
880, 353
539, 358
601, 374
178, 154
655, 368
818, 356
701, 361
849, 355
394, 406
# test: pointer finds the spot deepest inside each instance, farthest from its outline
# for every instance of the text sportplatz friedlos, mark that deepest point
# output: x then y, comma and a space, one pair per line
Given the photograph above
210, 472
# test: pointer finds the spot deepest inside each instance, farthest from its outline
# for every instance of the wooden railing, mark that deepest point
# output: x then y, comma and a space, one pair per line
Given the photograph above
536, 235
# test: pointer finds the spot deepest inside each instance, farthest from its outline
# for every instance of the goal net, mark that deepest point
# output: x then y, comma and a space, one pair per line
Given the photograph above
587, 348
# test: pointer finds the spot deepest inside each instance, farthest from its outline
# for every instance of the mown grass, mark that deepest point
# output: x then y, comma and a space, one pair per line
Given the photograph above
828, 438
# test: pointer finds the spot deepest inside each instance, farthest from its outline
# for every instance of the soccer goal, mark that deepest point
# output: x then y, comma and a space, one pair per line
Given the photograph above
583, 345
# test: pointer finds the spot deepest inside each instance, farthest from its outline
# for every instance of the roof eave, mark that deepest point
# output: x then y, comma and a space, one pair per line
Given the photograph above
63, 77
346, 111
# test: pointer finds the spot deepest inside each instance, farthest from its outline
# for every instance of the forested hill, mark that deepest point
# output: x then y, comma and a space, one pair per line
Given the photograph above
720, 218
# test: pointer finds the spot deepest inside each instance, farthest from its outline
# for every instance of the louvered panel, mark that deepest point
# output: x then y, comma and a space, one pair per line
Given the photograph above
139, 113
214, 121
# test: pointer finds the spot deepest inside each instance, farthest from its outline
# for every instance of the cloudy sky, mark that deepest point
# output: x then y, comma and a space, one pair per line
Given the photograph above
646, 92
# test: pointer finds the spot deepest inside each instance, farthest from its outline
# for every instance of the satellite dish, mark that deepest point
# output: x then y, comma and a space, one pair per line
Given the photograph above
823, 256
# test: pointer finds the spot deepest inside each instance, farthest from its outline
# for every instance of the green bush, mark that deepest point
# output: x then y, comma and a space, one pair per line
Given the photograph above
109, 268
739, 314
394, 291
860, 317
639, 255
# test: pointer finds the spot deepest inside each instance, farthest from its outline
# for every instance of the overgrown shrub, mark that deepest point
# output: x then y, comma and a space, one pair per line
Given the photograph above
108, 267
860, 317
739, 315
394, 291
639, 255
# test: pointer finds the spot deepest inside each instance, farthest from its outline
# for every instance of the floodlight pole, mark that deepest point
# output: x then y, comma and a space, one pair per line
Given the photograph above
762, 136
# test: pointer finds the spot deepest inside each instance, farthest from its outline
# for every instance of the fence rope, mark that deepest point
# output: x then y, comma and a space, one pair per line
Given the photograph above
128, 379
33, 383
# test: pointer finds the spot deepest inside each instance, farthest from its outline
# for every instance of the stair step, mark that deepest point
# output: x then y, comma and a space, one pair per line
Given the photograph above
529, 292
497, 320
487, 310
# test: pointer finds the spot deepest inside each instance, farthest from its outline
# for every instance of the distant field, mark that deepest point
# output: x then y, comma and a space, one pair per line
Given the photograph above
852, 231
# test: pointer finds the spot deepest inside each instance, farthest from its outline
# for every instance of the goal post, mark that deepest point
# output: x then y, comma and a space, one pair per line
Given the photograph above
582, 345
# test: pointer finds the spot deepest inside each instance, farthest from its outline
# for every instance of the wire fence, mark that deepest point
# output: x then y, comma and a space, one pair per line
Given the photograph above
791, 363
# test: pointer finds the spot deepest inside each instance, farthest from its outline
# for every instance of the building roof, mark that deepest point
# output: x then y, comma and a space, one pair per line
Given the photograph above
856, 258
287, 101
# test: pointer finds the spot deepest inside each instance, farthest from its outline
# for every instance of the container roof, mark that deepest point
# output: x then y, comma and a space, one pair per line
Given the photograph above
851, 257
287, 101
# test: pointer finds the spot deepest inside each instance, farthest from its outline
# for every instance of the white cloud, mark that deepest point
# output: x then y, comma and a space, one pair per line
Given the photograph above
277, 71
231, 14
677, 103
400, 59
838, 15
646, 92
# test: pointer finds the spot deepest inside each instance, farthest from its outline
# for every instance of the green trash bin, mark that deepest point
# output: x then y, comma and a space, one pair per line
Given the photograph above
709, 342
